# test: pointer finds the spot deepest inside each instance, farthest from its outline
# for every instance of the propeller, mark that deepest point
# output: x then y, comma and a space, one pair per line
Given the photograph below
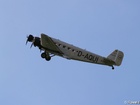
30, 38
35, 41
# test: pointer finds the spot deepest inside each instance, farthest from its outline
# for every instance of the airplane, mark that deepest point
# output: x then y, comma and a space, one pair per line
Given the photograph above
52, 47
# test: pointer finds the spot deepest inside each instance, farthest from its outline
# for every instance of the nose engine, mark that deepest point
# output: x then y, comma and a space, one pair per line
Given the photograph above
35, 41
30, 38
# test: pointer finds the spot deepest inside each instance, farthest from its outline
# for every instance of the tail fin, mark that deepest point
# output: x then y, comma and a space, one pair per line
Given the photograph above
117, 57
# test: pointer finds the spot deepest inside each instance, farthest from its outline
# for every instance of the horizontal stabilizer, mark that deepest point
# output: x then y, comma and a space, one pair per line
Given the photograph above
117, 57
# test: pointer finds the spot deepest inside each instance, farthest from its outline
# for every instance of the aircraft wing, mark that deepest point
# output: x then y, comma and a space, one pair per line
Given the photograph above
49, 45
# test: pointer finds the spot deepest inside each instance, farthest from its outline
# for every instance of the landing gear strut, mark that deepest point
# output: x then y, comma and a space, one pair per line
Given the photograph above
46, 56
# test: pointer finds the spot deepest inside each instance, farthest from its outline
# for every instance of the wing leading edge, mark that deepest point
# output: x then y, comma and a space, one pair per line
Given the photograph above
49, 45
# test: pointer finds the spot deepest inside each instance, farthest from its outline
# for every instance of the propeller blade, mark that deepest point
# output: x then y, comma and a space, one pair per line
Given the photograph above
27, 40
30, 38
31, 45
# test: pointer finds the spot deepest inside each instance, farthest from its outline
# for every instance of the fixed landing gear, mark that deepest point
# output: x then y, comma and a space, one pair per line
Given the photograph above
46, 56
113, 68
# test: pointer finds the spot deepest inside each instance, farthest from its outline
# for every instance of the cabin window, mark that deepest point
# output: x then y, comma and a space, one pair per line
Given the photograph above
64, 46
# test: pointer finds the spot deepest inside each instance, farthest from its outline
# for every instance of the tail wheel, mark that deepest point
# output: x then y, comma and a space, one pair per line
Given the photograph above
113, 68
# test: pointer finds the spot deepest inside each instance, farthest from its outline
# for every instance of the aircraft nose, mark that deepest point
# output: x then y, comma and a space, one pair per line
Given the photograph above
29, 38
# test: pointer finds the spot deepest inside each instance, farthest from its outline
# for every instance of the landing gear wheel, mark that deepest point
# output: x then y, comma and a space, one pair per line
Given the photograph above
48, 58
43, 55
